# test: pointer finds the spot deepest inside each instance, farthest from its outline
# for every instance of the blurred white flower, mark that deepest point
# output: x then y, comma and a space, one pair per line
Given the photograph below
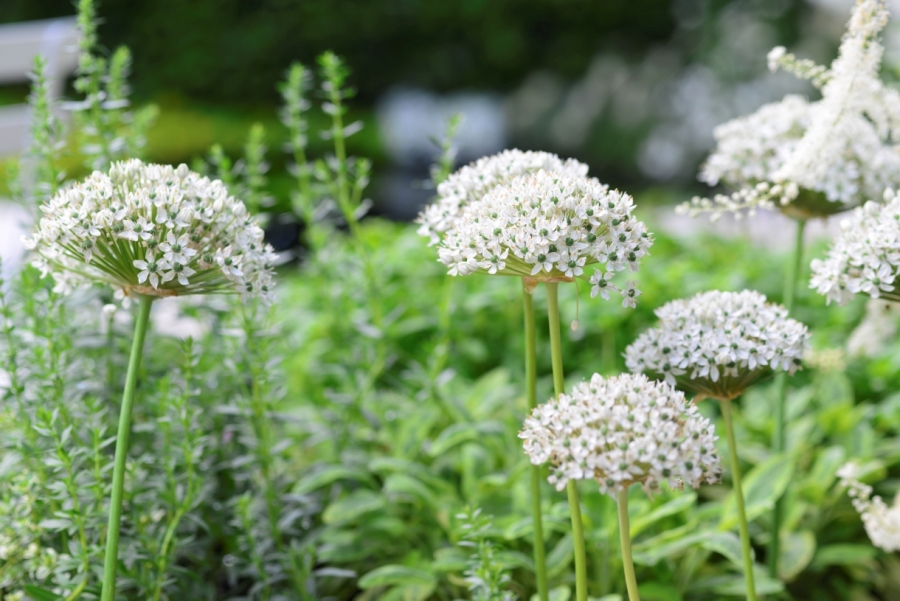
620, 431
719, 343
472, 182
865, 257
882, 523
877, 328
548, 227
819, 158
153, 230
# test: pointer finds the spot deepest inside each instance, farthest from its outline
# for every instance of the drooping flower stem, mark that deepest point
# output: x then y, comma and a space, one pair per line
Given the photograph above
110, 563
625, 540
540, 563
571, 489
746, 551
779, 441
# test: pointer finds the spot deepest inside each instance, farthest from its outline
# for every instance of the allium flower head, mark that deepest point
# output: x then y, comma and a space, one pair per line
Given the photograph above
549, 227
152, 230
719, 343
865, 257
815, 159
882, 523
470, 183
622, 430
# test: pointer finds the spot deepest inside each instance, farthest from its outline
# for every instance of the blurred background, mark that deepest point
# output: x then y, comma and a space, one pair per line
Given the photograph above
632, 88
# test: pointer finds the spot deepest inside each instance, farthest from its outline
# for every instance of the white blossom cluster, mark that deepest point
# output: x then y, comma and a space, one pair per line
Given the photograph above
817, 158
152, 230
865, 256
719, 343
549, 227
470, 183
876, 330
882, 523
622, 430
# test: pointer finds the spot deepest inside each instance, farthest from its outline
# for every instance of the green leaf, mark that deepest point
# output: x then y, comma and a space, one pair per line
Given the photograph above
328, 475
652, 551
561, 556
843, 555
657, 591
734, 585
675, 505
797, 550
560, 593
449, 559
396, 575
352, 506
762, 485
410, 592
822, 475
405, 485
726, 544
40, 594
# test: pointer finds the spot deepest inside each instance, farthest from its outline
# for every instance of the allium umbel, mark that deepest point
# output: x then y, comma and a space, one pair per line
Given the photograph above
152, 230
471, 182
814, 158
549, 227
882, 522
865, 257
620, 431
719, 343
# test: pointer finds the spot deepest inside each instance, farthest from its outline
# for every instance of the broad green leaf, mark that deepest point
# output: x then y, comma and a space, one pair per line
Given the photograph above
404, 484
734, 584
797, 550
410, 592
724, 543
560, 593
40, 594
511, 560
843, 555
559, 558
352, 506
449, 559
762, 486
822, 474
657, 591
652, 551
396, 575
675, 505
329, 475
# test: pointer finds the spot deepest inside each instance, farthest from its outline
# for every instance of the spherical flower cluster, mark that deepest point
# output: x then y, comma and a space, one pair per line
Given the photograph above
819, 158
152, 230
882, 523
719, 343
470, 183
549, 227
865, 256
620, 431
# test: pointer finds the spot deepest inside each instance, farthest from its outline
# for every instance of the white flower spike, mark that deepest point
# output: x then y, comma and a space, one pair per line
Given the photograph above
882, 523
719, 343
620, 431
153, 230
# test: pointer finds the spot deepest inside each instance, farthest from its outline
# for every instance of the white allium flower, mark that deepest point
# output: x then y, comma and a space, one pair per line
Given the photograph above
719, 343
819, 158
153, 230
549, 227
864, 257
622, 430
882, 523
470, 183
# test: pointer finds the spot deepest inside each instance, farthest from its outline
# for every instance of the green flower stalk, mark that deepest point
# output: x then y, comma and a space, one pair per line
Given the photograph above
621, 431
149, 231
716, 345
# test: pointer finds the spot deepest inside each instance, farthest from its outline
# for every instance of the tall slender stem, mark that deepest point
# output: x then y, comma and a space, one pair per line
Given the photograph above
779, 439
571, 489
111, 562
540, 562
746, 551
625, 540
